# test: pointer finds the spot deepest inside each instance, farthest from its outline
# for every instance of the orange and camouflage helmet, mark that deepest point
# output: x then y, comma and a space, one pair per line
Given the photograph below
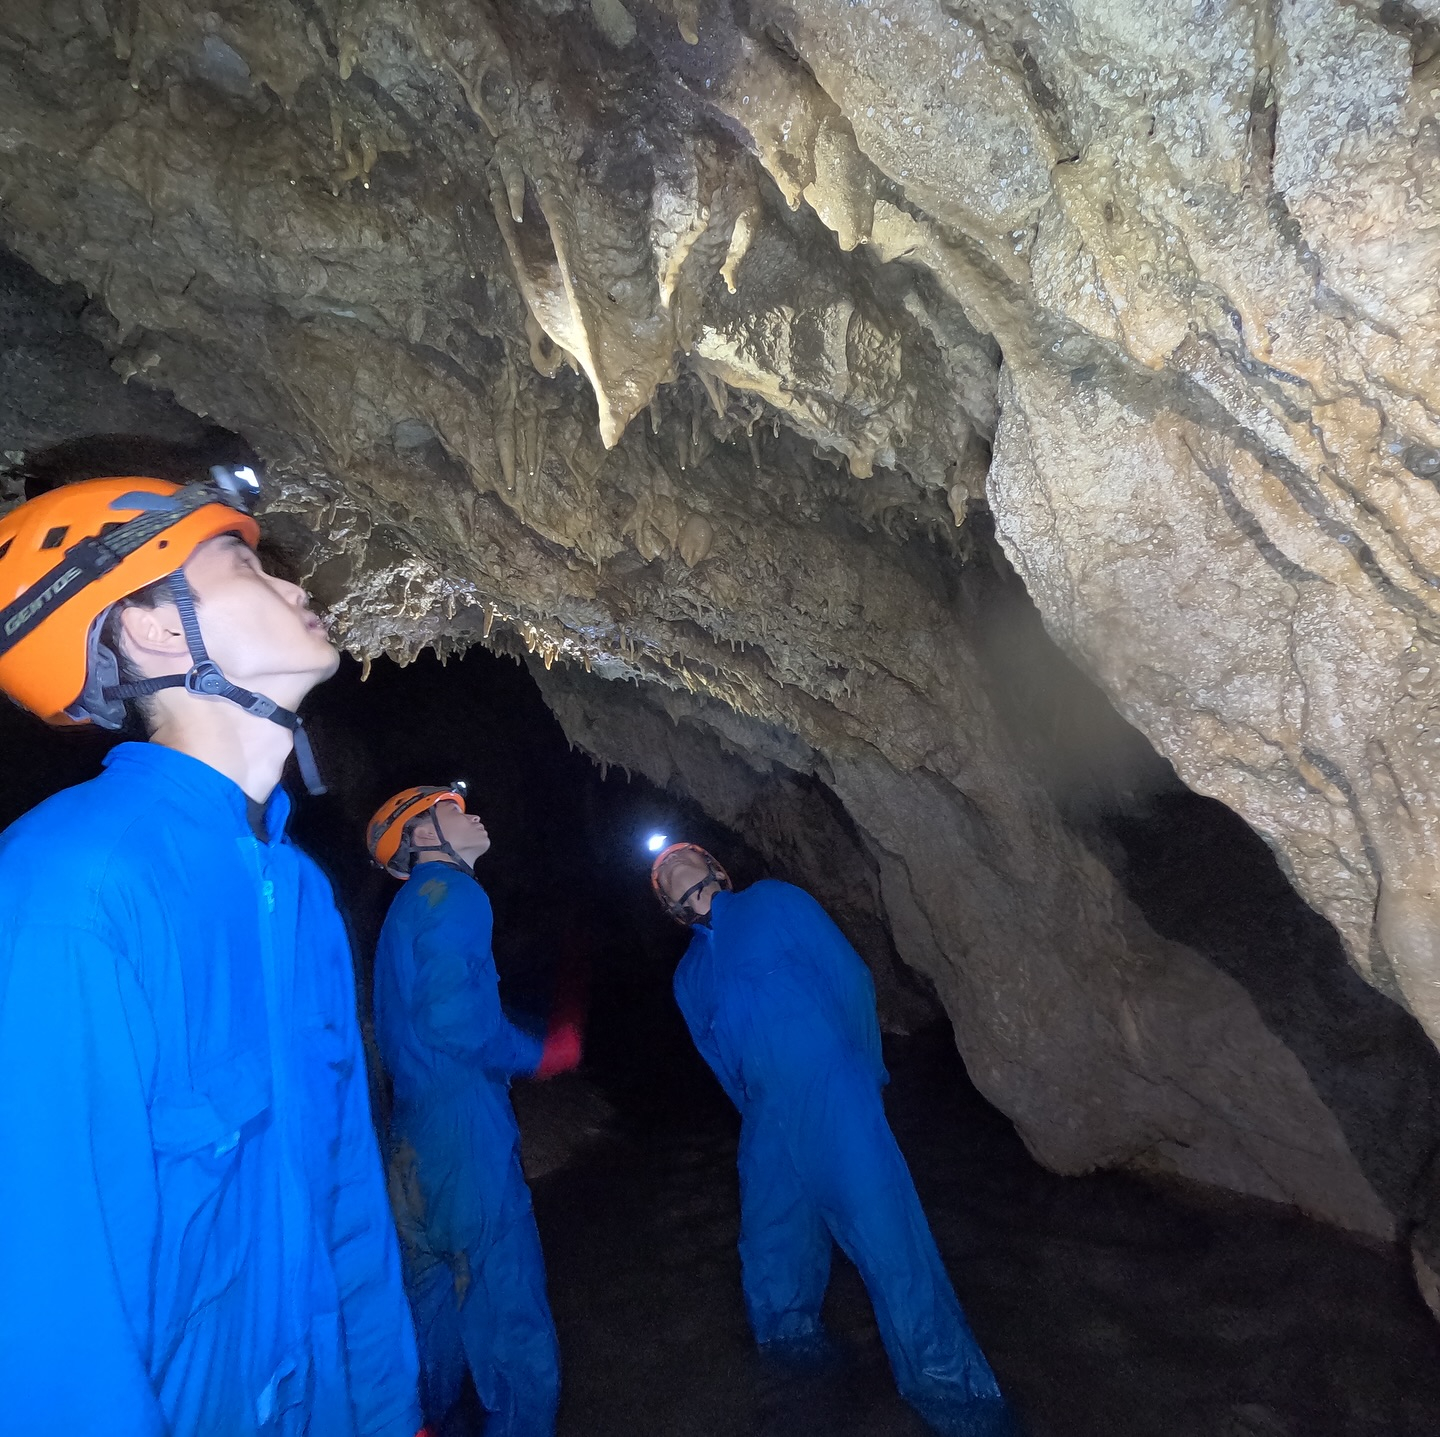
385, 834
59, 578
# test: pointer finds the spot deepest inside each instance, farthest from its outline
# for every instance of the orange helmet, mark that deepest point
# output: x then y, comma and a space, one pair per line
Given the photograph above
675, 907
386, 834
70, 554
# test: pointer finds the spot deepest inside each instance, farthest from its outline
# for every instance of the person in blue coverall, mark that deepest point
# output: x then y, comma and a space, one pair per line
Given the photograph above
194, 1232
782, 1009
472, 1255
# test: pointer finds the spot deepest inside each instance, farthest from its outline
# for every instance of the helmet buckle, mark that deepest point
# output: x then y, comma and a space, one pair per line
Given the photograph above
205, 678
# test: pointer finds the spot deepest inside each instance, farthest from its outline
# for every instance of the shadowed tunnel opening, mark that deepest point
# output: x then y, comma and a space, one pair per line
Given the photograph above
1108, 1304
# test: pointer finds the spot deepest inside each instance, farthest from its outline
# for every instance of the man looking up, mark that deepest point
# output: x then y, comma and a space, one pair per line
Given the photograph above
783, 1010
194, 1234
472, 1253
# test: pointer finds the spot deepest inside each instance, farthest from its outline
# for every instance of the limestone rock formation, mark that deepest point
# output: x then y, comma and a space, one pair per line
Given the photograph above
672, 338
1105, 1044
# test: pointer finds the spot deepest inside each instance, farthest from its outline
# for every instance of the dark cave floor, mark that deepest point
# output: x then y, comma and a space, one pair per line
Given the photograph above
1109, 1307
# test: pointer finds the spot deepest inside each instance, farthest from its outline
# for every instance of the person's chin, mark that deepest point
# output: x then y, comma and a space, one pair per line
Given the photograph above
322, 660
307, 672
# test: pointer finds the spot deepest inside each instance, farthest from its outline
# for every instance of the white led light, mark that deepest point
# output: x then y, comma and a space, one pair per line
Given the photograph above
238, 480
655, 842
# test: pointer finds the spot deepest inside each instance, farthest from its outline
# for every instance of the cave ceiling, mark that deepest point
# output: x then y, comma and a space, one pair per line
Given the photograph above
678, 340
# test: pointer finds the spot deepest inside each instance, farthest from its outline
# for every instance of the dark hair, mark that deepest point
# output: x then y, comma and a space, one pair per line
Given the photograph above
139, 713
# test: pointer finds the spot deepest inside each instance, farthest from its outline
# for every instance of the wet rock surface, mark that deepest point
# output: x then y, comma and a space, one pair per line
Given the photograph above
1109, 1308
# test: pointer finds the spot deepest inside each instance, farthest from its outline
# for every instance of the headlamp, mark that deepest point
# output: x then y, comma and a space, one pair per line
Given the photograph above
239, 482
655, 843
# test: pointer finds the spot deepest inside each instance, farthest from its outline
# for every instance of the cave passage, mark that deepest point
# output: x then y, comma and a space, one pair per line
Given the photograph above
1108, 1305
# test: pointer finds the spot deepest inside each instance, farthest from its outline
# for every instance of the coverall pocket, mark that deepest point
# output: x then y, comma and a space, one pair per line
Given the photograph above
200, 1134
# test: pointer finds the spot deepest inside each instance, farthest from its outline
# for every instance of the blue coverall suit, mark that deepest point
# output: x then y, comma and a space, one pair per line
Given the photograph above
471, 1249
194, 1232
782, 1008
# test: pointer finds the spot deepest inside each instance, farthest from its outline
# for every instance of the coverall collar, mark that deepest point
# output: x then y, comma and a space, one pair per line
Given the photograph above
204, 790
449, 866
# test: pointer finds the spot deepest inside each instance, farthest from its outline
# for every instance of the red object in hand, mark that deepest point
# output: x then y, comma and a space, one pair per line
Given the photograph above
561, 1052
564, 1041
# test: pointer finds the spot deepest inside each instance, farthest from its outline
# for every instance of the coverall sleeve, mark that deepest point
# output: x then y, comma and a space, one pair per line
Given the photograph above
457, 995
378, 1329
78, 1206
729, 1080
845, 972
703, 1037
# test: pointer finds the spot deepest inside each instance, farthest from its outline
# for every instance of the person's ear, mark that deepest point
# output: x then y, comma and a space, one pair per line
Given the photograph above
153, 639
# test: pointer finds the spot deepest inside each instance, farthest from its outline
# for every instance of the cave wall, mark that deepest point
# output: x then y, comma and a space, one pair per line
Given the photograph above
1202, 1057
667, 340
1243, 547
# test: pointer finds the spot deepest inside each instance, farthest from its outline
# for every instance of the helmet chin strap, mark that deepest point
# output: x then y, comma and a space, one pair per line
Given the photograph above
409, 848
679, 909
694, 891
205, 678
442, 847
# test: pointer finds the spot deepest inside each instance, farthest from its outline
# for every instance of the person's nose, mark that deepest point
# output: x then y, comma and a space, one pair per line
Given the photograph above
293, 593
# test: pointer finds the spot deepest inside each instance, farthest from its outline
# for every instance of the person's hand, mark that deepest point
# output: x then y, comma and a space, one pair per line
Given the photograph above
562, 1050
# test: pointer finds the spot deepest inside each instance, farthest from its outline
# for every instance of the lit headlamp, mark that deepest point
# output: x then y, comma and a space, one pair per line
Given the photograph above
238, 482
